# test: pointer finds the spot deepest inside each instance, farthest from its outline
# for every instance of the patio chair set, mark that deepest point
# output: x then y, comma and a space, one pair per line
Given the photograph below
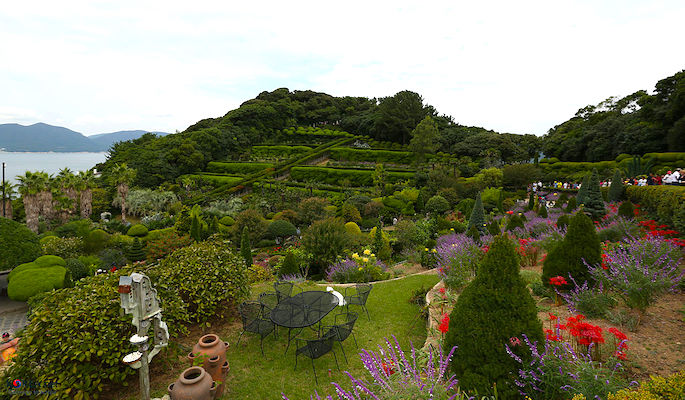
282, 308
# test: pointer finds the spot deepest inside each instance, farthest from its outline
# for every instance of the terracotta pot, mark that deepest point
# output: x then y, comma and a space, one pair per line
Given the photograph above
212, 351
193, 384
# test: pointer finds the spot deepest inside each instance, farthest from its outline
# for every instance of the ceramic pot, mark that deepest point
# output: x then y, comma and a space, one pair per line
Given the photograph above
212, 351
193, 384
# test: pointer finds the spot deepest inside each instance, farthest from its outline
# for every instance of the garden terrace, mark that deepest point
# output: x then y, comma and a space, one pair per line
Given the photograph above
335, 175
279, 152
242, 168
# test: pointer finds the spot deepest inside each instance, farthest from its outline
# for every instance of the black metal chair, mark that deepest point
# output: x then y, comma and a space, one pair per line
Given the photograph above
254, 321
359, 297
284, 289
315, 348
269, 301
343, 330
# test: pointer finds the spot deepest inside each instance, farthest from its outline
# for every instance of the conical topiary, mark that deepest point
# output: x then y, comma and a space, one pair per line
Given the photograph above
531, 200
514, 221
594, 203
616, 188
195, 228
542, 212
626, 210
493, 228
580, 243
491, 311
136, 251
246, 247
581, 197
563, 221
473, 233
572, 204
478, 216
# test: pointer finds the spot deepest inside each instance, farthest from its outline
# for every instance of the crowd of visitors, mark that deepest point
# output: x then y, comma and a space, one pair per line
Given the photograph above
676, 177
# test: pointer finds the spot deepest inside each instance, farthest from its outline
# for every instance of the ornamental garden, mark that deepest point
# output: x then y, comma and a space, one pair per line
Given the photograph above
481, 286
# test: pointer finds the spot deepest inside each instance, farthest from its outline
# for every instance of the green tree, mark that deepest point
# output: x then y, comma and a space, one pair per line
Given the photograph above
581, 197
195, 228
477, 218
531, 200
325, 240
424, 139
136, 251
594, 203
246, 247
122, 176
494, 308
581, 245
379, 178
18, 245
616, 188
29, 187
397, 115
437, 205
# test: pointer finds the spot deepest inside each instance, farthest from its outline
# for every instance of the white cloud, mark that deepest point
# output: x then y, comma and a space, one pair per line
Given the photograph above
510, 66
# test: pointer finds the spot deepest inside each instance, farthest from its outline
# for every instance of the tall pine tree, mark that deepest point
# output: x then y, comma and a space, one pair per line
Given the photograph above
581, 197
594, 203
477, 218
246, 247
616, 188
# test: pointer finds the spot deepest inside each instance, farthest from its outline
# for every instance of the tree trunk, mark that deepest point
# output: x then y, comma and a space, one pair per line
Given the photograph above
45, 206
123, 193
8, 209
32, 209
86, 203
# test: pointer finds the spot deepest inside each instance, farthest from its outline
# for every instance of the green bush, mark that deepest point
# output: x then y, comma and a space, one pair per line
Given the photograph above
409, 235
237, 167
353, 229
290, 265
350, 213
95, 241
332, 176
437, 205
376, 156
671, 387
280, 151
542, 212
265, 243
312, 209
42, 275
280, 228
514, 221
495, 307
227, 221
666, 203
137, 230
563, 221
616, 189
477, 219
580, 245
254, 222
91, 262
64, 247
18, 245
465, 206
594, 202
626, 210
112, 258
325, 240
163, 243
78, 228
572, 204
581, 197
136, 251
77, 269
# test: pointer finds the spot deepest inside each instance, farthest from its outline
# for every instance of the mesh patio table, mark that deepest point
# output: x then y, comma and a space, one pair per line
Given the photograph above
303, 310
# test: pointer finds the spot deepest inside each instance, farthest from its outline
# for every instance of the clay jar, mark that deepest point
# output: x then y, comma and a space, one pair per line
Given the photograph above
212, 351
193, 384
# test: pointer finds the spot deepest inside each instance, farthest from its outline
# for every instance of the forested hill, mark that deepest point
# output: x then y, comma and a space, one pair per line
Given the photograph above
261, 119
636, 124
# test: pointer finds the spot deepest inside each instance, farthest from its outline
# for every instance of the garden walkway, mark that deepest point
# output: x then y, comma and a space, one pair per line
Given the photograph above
12, 313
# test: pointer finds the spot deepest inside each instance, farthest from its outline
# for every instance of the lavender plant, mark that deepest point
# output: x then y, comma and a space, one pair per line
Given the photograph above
358, 268
457, 259
559, 372
640, 269
394, 376
593, 302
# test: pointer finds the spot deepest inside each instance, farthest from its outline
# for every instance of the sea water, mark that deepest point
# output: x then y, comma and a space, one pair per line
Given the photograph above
17, 163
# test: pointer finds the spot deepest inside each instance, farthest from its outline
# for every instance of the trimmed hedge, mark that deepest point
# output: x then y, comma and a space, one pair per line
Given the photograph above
665, 202
137, 230
211, 179
377, 156
280, 151
576, 170
335, 175
311, 131
42, 275
18, 245
237, 167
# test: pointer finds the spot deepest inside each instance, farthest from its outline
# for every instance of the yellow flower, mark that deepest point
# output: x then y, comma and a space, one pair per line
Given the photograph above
434, 251
355, 255
365, 259
373, 255
452, 229
367, 252
360, 268
426, 249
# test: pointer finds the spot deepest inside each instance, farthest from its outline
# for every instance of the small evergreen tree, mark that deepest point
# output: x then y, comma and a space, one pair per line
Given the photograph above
500, 202
581, 197
572, 204
246, 247
594, 203
493, 228
580, 243
420, 202
378, 240
136, 251
563, 221
473, 233
494, 308
626, 210
542, 212
616, 188
195, 228
213, 226
531, 200
514, 221
290, 265
478, 216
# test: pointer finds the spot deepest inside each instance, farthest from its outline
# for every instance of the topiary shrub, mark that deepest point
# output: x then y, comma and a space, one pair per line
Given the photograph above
79, 228
227, 221
594, 202
18, 245
465, 206
542, 212
77, 269
95, 241
626, 210
42, 275
281, 228
350, 213
572, 204
477, 218
380, 242
563, 221
290, 265
581, 197
137, 230
437, 205
514, 221
494, 308
531, 200
616, 188
136, 251
493, 228
581, 244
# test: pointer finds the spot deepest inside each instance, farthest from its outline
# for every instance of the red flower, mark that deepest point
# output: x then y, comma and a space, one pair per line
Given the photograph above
558, 281
620, 355
510, 212
442, 290
113, 269
387, 369
515, 341
619, 335
552, 317
445, 323
485, 248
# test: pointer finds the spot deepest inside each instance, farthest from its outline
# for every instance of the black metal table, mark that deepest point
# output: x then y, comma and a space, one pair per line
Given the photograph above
303, 310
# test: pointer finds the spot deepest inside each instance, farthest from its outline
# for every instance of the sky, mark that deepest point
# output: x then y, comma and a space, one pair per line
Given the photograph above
518, 67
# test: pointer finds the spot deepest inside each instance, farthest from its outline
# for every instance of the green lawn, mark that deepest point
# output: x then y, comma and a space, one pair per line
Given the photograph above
253, 376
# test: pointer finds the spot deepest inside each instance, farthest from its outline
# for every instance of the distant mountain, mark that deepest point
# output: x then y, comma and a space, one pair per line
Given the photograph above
44, 137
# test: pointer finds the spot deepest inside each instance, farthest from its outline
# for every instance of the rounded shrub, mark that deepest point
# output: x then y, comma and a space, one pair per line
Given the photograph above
437, 205
563, 221
77, 269
581, 245
351, 213
46, 239
18, 245
353, 229
95, 241
494, 308
281, 228
626, 210
78, 228
227, 221
31, 282
514, 221
325, 240
290, 265
137, 230
542, 212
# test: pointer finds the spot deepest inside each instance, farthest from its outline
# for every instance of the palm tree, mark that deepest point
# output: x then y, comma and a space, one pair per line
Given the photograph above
85, 181
29, 187
9, 191
67, 199
45, 186
122, 177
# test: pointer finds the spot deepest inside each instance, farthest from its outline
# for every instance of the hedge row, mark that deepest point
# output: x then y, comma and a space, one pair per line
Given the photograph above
280, 151
236, 167
333, 195
370, 168
576, 170
335, 176
319, 186
665, 202
216, 179
378, 156
310, 131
